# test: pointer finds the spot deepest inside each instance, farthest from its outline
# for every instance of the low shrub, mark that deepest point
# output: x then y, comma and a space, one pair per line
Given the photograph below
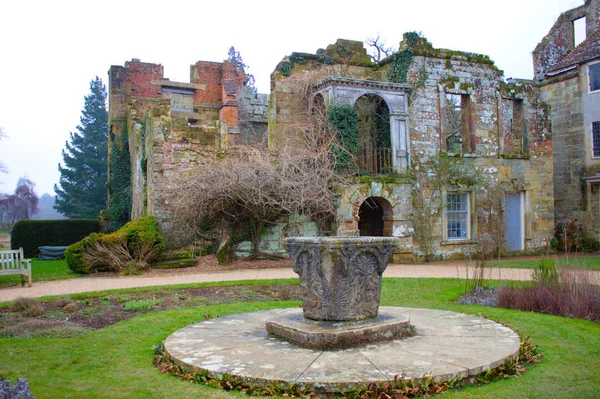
18, 391
138, 243
31, 234
29, 306
573, 237
142, 305
573, 294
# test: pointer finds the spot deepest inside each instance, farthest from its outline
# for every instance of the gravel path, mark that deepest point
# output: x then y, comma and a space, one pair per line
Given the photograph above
89, 284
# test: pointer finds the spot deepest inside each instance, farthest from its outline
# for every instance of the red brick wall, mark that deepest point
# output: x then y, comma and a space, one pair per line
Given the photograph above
229, 114
141, 75
209, 74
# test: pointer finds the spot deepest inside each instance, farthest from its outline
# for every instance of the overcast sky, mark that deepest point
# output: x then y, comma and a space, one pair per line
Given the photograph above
52, 49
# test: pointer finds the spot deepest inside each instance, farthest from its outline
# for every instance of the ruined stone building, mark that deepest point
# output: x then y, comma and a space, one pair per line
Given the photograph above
569, 81
174, 126
452, 158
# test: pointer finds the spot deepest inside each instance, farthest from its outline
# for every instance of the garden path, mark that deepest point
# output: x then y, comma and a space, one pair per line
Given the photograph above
93, 283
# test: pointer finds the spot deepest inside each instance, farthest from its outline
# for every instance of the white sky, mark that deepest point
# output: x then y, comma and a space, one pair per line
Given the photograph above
51, 50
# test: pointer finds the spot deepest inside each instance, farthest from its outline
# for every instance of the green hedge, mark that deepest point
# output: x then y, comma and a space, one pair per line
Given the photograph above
31, 234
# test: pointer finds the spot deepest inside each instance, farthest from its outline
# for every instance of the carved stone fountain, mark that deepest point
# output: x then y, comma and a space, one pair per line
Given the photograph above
341, 339
341, 277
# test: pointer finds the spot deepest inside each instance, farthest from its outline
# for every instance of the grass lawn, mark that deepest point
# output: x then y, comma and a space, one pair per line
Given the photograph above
575, 261
43, 270
116, 361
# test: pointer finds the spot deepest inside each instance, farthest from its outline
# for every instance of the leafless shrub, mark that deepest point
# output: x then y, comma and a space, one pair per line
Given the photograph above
256, 188
576, 295
29, 306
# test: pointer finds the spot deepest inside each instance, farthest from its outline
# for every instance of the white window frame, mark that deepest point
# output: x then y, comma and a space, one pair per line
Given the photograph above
596, 66
466, 219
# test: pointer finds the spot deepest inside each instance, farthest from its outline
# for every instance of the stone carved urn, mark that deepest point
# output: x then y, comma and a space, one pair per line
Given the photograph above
341, 276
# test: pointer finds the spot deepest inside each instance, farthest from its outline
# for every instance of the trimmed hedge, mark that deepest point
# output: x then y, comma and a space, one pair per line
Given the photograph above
139, 239
31, 234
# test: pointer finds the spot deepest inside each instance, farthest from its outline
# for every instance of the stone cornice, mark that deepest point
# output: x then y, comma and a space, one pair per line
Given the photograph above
362, 84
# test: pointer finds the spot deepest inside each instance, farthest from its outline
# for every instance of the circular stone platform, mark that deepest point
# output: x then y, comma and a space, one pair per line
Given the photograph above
446, 345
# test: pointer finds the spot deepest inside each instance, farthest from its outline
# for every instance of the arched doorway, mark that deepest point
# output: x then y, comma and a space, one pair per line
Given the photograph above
375, 217
375, 153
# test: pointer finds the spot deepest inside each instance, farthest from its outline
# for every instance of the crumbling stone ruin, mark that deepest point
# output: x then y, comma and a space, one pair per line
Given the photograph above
568, 77
174, 126
452, 158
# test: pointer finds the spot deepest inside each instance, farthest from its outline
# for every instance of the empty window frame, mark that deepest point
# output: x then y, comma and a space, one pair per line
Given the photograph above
457, 123
579, 31
457, 216
596, 139
594, 76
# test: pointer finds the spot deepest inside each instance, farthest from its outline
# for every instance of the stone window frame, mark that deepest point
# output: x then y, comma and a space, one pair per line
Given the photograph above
593, 74
470, 219
469, 131
525, 133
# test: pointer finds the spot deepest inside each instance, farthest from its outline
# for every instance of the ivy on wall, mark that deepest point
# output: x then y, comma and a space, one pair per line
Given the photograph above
119, 181
344, 121
401, 60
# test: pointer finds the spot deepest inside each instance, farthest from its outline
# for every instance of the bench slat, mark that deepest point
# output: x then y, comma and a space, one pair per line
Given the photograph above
12, 262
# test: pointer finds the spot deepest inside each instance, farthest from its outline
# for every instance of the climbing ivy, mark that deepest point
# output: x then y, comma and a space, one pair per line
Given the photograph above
399, 65
119, 182
401, 60
344, 121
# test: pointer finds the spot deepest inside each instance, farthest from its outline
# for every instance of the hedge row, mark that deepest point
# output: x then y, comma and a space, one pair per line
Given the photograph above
31, 234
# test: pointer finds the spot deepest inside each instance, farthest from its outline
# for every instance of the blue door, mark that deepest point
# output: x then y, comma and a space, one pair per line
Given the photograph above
513, 222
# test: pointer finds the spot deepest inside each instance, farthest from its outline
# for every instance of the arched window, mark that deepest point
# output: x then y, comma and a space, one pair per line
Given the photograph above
375, 154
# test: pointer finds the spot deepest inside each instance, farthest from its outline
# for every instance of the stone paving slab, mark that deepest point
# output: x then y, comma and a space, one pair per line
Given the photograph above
446, 345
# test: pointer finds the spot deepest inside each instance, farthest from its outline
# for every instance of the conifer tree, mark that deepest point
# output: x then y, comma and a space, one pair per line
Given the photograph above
81, 192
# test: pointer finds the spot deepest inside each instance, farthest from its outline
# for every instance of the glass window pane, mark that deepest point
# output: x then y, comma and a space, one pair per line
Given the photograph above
457, 216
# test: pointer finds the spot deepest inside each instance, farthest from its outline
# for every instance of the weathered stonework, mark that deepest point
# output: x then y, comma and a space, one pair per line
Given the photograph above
341, 276
532, 138
562, 71
506, 144
174, 127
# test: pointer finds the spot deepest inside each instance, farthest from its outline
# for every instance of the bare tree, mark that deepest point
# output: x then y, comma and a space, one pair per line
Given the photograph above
2, 167
21, 205
379, 48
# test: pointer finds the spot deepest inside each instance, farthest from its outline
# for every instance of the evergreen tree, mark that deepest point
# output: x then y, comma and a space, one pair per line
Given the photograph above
236, 59
81, 192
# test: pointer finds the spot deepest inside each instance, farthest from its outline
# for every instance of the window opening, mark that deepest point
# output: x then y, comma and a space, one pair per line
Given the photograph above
594, 75
375, 153
596, 138
457, 216
579, 31
457, 123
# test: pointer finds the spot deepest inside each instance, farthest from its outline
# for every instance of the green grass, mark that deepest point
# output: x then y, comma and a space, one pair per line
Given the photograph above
141, 305
4, 233
116, 362
574, 262
43, 270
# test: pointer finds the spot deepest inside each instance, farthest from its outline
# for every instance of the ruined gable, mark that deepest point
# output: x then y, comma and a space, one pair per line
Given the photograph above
174, 126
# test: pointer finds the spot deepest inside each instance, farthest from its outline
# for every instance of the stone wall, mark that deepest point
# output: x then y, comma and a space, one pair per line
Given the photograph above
173, 128
561, 38
506, 141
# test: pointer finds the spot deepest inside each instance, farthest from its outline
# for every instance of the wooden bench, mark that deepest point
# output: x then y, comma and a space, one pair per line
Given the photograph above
13, 262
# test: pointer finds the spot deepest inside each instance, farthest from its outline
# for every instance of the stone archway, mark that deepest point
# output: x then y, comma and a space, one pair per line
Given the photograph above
346, 92
375, 217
